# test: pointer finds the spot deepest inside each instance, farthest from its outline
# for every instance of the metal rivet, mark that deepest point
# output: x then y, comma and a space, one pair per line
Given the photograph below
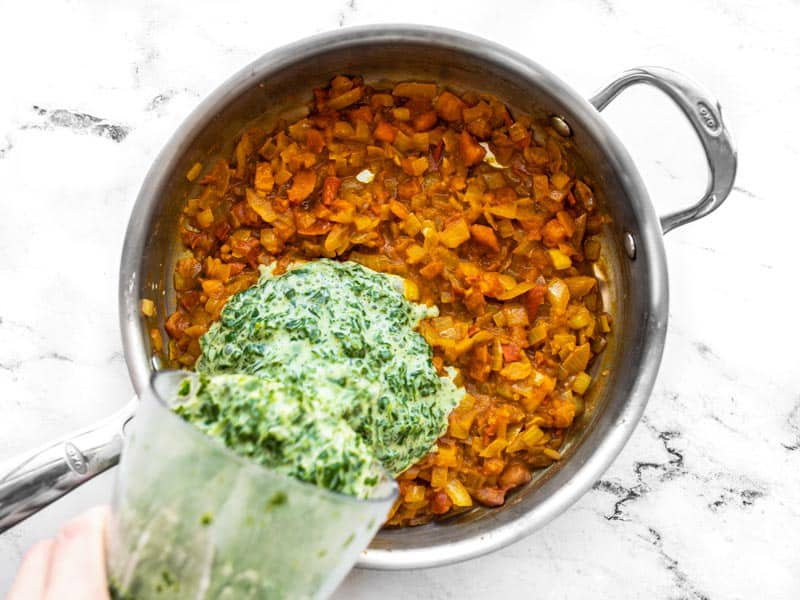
629, 243
561, 126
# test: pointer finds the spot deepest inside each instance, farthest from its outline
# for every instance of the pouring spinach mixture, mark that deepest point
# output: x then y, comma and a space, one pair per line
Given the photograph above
320, 373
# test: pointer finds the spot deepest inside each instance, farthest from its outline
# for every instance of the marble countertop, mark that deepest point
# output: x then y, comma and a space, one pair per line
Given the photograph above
704, 502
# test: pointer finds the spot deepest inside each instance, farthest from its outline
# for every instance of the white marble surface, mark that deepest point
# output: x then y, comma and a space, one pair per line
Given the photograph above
703, 503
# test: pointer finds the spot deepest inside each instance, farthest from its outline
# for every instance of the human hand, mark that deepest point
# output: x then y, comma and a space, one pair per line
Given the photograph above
71, 566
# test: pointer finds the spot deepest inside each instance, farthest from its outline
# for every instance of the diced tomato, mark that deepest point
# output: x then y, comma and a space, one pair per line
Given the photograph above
362, 113
302, 185
237, 267
449, 106
553, 232
471, 152
315, 227
189, 300
245, 215
200, 241
485, 236
511, 352
315, 142
409, 188
490, 496
514, 475
177, 323
534, 299
221, 231
436, 155
385, 132
424, 121
329, 190
440, 503
247, 249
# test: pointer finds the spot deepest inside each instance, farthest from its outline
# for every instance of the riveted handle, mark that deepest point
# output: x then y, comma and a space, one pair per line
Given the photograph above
30, 482
705, 115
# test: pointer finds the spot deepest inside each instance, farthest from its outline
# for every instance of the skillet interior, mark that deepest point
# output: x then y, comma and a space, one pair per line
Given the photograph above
282, 81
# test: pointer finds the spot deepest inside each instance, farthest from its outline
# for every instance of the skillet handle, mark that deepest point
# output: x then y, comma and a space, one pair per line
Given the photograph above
705, 115
33, 480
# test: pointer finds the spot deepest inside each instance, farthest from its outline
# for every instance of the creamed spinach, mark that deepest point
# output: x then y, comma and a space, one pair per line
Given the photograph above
335, 344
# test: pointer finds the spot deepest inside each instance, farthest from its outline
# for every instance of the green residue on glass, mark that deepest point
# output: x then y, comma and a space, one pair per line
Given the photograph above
263, 420
115, 591
277, 499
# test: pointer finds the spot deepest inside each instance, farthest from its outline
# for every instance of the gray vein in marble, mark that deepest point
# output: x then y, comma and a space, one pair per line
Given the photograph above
608, 7
732, 492
667, 171
671, 469
15, 324
793, 420
704, 350
724, 424
624, 494
165, 97
5, 149
149, 53
743, 498
747, 193
78, 122
160, 99
346, 12
681, 579
14, 365
708, 249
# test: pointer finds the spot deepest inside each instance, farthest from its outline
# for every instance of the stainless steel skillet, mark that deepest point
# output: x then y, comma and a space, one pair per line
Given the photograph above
637, 290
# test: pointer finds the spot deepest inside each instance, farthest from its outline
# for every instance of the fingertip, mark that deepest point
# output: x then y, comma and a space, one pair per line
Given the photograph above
73, 528
40, 549
92, 521
100, 515
31, 579
79, 549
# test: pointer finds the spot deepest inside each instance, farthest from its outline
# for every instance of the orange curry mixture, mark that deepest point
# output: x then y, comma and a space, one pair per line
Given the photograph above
482, 214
